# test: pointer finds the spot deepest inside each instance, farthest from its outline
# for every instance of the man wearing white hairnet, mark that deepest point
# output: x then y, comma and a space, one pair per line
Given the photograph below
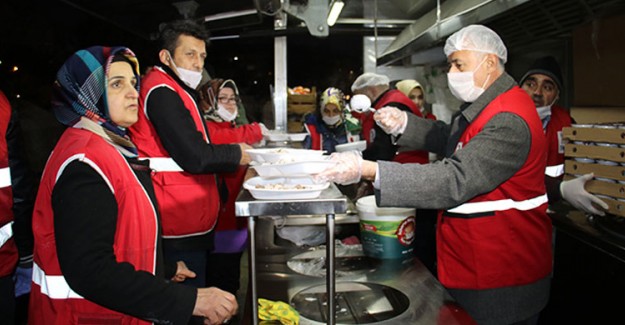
493, 233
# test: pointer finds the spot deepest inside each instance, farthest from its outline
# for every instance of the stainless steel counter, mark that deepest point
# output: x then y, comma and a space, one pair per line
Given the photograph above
429, 302
330, 202
271, 278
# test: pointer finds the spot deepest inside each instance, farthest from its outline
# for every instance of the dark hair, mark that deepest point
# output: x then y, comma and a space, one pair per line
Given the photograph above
172, 30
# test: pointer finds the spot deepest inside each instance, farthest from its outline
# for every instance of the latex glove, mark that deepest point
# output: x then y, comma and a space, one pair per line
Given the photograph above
23, 278
348, 168
263, 129
573, 191
391, 119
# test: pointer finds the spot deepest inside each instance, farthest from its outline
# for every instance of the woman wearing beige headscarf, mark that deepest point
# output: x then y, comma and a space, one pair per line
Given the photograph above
414, 91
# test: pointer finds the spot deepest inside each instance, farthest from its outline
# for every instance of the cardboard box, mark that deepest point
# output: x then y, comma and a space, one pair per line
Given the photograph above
597, 53
597, 115
580, 168
615, 207
594, 152
611, 193
616, 136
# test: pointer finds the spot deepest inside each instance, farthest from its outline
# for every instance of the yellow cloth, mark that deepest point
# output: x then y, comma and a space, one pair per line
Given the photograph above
277, 310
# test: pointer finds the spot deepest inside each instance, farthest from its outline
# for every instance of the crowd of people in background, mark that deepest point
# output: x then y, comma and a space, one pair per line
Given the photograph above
134, 217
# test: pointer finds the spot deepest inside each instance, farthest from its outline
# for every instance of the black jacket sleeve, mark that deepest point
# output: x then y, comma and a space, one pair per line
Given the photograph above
85, 218
24, 187
179, 136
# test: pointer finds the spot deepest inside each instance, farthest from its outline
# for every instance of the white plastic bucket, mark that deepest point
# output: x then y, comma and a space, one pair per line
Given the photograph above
386, 233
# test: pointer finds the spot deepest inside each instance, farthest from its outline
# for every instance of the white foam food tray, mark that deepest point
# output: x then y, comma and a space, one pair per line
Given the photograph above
292, 169
285, 188
283, 155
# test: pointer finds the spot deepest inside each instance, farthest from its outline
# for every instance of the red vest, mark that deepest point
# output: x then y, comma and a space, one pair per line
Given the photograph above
52, 301
8, 250
560, 118
316, 141
189, 203
224, 133
503, 237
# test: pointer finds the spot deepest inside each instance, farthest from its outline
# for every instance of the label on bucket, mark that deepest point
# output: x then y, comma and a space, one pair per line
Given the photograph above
388, 239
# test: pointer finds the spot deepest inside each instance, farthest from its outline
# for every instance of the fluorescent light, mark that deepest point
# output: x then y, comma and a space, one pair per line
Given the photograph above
335, 11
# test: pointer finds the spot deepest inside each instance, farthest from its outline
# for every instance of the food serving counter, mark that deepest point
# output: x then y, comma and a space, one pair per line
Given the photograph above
362, 290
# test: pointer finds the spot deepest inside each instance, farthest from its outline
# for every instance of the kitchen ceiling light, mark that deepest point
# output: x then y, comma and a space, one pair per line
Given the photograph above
335, 11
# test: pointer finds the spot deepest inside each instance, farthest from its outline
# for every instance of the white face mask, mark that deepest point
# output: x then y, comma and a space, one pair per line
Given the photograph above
544, 112
462, 86
189, 77
360, 103
225, 114
331, 120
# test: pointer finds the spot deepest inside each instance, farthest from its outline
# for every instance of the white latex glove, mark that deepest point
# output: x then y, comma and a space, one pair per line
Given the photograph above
391, 119
348, 168
573, 191
263, 129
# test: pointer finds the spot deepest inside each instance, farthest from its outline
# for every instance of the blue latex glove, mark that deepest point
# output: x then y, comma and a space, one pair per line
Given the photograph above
23, 278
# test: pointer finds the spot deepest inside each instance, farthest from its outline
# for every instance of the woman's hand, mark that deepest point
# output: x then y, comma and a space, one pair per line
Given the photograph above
182, 272
215, 305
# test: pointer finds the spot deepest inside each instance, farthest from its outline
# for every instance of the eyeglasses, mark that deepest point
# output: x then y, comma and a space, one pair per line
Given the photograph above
226, 100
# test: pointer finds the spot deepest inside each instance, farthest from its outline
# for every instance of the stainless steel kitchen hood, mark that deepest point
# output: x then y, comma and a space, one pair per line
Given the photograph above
433, 27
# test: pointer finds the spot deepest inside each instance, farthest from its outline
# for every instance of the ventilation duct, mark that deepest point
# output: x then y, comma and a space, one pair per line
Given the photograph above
433, 27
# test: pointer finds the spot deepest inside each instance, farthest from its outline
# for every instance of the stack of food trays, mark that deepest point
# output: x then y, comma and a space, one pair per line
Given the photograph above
286, 173
598, 149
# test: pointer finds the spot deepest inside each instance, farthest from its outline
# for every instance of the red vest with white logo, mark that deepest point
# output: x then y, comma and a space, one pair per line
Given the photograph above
189, 203
8, 250
560, 118
503, 237
52, 301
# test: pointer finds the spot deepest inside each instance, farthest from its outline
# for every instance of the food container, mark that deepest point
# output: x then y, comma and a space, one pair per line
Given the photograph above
284, 188
358, 145
274, 155
386, 233
277, 137
292, 169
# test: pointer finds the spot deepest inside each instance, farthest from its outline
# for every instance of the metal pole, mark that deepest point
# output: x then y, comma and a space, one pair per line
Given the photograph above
330, 285
251, 224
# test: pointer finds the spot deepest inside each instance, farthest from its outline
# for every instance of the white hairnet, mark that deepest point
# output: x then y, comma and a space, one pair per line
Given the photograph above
477, 38
369, 79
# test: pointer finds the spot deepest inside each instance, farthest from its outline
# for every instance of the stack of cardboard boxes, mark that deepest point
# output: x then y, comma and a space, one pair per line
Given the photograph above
598, 149
596, 144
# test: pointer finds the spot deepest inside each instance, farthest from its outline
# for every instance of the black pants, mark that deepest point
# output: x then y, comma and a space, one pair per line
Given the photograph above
7, 300
223, 271
425, 238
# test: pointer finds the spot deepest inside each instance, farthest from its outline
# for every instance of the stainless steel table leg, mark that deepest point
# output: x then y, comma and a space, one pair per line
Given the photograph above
251, 224
330, 285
